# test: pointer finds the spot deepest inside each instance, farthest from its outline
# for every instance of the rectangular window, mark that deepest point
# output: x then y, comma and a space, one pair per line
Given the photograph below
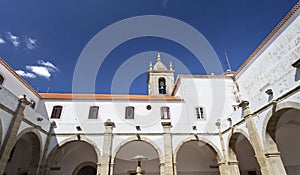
200, 113
129, 113
93, 114
56, 112
165, 113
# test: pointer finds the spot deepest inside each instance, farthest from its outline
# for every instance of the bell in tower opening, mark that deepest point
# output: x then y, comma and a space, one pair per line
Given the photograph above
162, 85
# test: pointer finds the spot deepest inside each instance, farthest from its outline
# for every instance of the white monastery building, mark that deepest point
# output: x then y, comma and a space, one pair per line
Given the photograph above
245, 122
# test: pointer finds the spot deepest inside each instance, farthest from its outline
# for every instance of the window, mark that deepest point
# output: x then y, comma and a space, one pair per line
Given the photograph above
93, 114
129, 113
1, 79
56, 112
200, 113
32, 104
165, 113
162, 85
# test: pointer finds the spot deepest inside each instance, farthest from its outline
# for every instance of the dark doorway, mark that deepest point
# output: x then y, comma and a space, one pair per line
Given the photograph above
87, 170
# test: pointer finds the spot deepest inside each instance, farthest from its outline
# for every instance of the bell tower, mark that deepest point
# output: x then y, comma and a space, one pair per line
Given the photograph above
160, 78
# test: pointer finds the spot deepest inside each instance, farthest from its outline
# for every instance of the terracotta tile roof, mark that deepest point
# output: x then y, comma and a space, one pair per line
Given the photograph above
106, 97
267, 39
25, 83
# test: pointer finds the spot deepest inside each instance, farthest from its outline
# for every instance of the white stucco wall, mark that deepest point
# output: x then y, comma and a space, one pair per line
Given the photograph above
14, 85
272, 67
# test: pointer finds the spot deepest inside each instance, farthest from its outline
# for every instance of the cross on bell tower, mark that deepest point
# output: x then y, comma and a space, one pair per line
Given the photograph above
160, 78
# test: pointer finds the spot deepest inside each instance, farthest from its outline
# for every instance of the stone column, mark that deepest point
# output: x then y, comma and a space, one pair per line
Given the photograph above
273, 156
175, 167
168, 152
42, 165
233, 168
222, 164
255, 140
225, 167
111, 172
104, 166
274, 159
12, 131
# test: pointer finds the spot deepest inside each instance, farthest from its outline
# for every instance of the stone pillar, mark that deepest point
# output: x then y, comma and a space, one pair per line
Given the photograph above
12, 131
111, 172
175, 167
104, 166
168, 152
256, 142
226, 167
233, 168
223, 166
273, 156
42, 165
274, 159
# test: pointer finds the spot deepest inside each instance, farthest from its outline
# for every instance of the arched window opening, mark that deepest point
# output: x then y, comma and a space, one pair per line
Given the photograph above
165, 113
162, 85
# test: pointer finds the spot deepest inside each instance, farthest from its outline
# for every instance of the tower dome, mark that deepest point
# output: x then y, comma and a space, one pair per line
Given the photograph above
159, 65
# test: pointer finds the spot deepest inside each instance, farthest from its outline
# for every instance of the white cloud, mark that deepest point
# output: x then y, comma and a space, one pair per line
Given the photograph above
43, 69
2, 40
47, 64
13, 38
40, 71
25, 74
30, 43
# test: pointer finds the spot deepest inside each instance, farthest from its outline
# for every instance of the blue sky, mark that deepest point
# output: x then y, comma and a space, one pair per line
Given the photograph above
43, 41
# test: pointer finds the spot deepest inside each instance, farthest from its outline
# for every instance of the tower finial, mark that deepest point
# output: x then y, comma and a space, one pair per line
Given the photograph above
150, 65
158, 57
171, 65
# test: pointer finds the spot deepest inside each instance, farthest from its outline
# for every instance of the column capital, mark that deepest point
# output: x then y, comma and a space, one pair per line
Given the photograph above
109, 123
245, 107
244, 104
166, 124
272, 154
22, 99
233, 162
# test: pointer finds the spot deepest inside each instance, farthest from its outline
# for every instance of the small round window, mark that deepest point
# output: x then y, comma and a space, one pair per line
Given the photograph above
148, 107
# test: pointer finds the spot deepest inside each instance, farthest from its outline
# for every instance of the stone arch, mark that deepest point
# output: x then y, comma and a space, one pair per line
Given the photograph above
30, 130
34, 154
282, 123
213, 147
132, 139
55, 150
272, 118
198, 155
232, 138
130, 147
83, 164
241, 153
